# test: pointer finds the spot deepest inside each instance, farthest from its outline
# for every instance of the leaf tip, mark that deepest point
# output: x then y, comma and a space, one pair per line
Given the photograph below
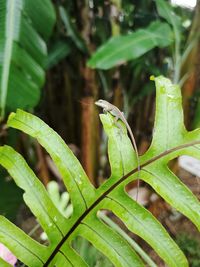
152, 78
90, 64
10, 118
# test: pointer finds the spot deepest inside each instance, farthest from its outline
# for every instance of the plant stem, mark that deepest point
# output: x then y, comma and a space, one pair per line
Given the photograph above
37, 226
177, 61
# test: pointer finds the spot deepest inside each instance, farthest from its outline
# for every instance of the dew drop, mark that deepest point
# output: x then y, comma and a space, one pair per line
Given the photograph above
170, 96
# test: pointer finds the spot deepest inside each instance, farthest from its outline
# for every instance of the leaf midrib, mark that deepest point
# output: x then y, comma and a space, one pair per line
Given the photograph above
98, 200
10, 22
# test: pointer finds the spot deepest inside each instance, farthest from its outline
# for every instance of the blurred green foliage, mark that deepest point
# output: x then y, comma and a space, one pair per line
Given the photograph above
191, 248
90, 254
10, 196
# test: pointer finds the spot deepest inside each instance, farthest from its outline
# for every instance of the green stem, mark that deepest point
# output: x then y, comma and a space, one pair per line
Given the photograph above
177, 56
37, 226
177, 62
136, 247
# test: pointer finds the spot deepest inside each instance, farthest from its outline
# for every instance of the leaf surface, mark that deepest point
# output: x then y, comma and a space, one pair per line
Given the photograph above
31, 252
170, 140
73, 175
120, 49
25, 26
165, 10
4, 264
35, 195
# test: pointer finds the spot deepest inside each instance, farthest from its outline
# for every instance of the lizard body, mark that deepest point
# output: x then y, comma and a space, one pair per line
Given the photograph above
108, 107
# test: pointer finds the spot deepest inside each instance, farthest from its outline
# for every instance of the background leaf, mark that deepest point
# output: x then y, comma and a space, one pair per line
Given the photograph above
57, 52
120, 49
71, 30
26, 25
11, 196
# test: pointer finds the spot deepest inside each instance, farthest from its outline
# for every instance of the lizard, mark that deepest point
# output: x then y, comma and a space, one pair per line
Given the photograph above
108, 107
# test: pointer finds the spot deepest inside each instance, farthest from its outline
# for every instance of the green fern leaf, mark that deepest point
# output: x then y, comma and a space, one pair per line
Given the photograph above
170, 140
4, 264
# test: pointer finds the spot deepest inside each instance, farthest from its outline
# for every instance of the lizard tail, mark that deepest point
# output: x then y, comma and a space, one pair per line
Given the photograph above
138, 180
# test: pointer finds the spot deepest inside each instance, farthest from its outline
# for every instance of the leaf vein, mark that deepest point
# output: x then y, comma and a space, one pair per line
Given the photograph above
110, 244
101, 197
25, 247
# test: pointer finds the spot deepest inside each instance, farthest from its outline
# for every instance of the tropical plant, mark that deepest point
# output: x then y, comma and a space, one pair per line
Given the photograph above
122, 48
170, 140
25, 27
132, 46
84, 28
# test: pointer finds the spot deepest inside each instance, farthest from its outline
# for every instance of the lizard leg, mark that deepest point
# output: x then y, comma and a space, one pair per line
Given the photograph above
116, 119
105, 111
118, 126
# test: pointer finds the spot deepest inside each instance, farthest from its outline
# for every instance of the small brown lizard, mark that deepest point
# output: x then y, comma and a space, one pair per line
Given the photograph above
108, 107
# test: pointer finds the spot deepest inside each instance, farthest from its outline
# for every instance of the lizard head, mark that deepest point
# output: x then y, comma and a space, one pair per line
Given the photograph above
101, 103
